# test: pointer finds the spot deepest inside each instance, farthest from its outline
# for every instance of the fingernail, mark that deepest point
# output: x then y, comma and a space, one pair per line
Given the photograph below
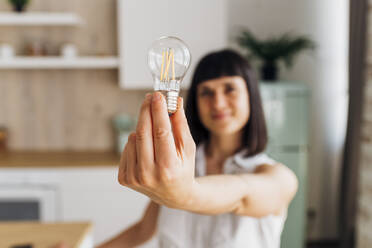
148, 96
156, 96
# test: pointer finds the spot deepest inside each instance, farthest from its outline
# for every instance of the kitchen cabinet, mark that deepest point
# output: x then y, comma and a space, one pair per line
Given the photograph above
82, 194
201, 24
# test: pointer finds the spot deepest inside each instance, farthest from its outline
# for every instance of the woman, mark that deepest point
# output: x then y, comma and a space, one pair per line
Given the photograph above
223, 192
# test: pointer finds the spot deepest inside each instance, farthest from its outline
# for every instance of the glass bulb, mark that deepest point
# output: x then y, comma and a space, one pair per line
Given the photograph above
168, 60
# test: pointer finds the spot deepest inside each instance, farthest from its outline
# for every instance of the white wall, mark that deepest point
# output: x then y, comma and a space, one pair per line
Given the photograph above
325, 71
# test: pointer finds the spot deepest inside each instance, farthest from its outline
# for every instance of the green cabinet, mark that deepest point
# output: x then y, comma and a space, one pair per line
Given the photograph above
286, 111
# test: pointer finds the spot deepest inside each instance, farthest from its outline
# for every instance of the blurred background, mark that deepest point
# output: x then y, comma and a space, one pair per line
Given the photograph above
73, 75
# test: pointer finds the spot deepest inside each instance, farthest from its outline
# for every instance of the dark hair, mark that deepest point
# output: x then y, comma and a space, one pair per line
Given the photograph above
220, 64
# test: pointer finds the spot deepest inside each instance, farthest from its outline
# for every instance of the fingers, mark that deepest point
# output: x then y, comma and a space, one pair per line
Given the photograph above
131, 161
181, 131
133, 168
164, 145
128, 170
144, 143
123, 167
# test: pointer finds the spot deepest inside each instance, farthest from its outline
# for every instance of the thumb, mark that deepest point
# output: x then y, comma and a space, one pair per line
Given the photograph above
181, 131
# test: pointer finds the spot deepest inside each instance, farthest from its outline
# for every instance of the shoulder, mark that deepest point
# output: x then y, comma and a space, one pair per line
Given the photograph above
262, 164
251, 163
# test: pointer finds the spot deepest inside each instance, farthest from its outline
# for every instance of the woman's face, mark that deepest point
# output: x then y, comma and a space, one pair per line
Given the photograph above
223, 104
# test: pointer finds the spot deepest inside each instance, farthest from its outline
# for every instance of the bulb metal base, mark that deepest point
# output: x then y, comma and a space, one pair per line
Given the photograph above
172, 99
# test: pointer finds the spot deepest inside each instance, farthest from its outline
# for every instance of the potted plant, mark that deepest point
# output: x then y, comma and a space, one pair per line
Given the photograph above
271, 50
19, 5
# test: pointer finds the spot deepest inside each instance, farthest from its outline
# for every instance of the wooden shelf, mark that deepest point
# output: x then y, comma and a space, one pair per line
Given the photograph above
50, 159
39, 19
59, 63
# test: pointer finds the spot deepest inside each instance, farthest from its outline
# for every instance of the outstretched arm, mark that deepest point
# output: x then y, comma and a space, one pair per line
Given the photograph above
268, 190
159, 161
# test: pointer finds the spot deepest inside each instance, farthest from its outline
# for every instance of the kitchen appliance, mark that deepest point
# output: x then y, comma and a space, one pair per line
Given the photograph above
26, 197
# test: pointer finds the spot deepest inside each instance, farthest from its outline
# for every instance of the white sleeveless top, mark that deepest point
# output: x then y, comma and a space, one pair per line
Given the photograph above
178, 228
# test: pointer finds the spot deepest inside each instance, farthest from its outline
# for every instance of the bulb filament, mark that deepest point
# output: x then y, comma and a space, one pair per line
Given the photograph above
167, 59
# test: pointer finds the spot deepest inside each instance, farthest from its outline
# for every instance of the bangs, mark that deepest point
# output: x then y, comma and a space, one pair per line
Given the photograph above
215, 65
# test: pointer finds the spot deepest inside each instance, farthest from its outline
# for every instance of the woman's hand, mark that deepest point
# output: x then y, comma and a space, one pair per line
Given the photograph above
159, 158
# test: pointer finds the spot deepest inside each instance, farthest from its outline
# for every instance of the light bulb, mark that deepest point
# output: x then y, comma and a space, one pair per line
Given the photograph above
168, 60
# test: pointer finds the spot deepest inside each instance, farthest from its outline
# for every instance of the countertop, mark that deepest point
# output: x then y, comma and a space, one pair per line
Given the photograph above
14, 159
43, 235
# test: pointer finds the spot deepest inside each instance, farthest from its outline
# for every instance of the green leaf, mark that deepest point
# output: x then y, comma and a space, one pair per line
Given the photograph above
285, 47
18, 2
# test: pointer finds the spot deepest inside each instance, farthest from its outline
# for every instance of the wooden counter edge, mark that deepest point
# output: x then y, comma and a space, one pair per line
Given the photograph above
27, 159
